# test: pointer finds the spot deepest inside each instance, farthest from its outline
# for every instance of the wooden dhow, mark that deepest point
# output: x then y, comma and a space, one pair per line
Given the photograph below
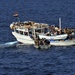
26, 32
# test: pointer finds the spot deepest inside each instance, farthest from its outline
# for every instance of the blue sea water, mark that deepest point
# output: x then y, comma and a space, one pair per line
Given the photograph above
26, 60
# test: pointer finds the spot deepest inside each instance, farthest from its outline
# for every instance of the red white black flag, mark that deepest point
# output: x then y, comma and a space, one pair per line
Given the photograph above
15, 14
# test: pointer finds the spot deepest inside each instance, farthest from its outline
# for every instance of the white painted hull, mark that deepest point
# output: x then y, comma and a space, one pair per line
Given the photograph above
54, 37
63, 43
23, 39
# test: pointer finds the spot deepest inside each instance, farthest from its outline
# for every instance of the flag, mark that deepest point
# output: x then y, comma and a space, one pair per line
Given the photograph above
15, 14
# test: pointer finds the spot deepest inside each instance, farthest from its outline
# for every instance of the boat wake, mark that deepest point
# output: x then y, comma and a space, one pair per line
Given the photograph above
8, 44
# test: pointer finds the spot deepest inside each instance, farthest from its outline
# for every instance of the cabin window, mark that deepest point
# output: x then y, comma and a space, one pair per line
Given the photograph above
45, 30
26, 33
17, 31
30, 32
39, 31
21, 32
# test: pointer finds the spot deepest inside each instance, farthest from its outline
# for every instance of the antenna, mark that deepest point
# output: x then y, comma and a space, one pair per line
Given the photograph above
59, 22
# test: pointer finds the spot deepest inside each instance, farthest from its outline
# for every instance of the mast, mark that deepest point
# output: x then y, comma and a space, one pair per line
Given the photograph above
59, 22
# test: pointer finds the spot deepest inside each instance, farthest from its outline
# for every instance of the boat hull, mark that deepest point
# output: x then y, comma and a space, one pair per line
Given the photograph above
23, 39
63, 43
